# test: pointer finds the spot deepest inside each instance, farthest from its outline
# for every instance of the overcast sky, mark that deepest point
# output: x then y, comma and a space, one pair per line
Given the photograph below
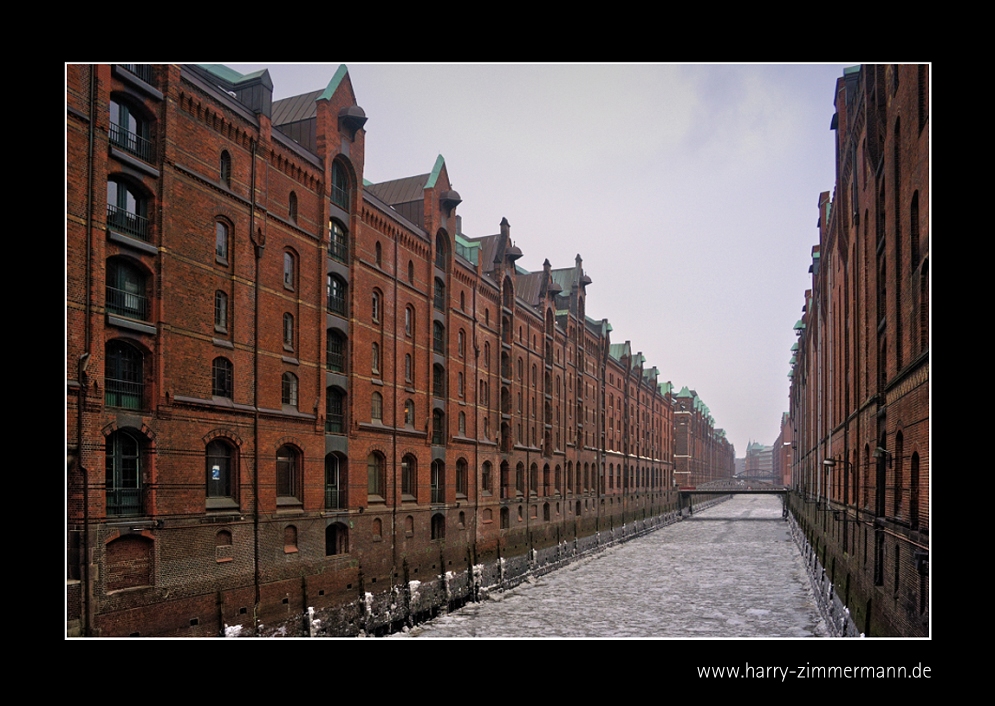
690, 191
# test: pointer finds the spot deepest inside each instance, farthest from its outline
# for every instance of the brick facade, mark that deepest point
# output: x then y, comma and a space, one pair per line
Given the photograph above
859, 401
289, 389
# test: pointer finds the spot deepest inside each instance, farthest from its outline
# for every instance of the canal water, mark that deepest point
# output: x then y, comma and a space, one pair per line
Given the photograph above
729, 571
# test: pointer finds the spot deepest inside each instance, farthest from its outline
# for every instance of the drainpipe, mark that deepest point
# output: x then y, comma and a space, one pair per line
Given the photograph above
259, 246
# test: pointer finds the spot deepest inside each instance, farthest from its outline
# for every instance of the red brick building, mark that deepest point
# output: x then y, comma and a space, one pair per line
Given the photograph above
859, 396
291, 390
702, 453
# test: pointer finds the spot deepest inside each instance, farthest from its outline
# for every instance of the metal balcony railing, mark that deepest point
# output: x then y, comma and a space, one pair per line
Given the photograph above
132, 142
129, 223
123, 393
124, 501
124, 303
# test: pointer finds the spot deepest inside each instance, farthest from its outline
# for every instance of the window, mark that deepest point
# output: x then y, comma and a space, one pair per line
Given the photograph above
485, 478
338, 243
288, 332
220, 312
461, 343
375, 480
123, 474
409, 477
441, 251
221, 378
124, 376
438, 481
289, 269
459, 384
340, 186
288, 469
438, 427
376, 407
336, 539
438, 526
439, 300
220, 466
487, 355
130, 131
336, 295
376, 307
409, 413
127, 210
289, 389
378, 251
375, 359
409, 320
335, 484
462, 423
411, 272
126, 290
292, 206
462, 480
225, 168
408, 368
334, 411
221, 233
335, 355
438, 338
438, 381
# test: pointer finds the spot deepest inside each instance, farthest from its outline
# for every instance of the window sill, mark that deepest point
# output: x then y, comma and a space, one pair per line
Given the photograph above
288, 502
222, 504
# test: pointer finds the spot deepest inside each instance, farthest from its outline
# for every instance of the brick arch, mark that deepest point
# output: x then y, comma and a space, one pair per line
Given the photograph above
145, 431
222, 433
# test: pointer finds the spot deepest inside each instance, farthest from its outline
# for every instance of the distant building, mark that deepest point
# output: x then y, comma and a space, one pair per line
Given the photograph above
759, 462
702, 453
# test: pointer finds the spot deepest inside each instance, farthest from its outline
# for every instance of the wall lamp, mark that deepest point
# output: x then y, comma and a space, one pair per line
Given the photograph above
881, 452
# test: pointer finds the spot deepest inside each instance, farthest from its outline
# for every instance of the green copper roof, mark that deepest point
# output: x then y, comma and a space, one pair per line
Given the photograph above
222, 71
794, 346
436, 170
685, 392
851, 70
333, 85
799, 325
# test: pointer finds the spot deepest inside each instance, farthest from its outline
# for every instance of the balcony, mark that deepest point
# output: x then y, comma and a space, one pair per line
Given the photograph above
132, 143
129, 304
125, 394
128, 223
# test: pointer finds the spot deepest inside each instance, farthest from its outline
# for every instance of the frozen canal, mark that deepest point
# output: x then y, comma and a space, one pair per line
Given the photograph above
730, 571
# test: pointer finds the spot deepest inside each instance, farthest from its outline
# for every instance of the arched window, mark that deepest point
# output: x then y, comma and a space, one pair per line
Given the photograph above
409, 413
461, 343
376, 407
220, 312
462, 301
123, 474
485, 478
288, 332
438, 381
289, 389
338, 243
221, 378
438, 526
222, 235
375, 481
292, 206
520, 479
336, 353
336, 539
124, 376
340, 186
289, 271
409, 477
220, 470
127, 210
438, 338
375, 306
462, 423
130, 130
411, 272
336, 295
375, 359
438, 481
126, 290
487, 355
409, 369
378, 251
462, 478
225, 168
439, 299
438, 427
288, 474
335, 482
409, 321
441, 250
334, 411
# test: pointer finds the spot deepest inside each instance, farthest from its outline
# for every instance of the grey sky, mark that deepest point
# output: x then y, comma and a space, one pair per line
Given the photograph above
690, 191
